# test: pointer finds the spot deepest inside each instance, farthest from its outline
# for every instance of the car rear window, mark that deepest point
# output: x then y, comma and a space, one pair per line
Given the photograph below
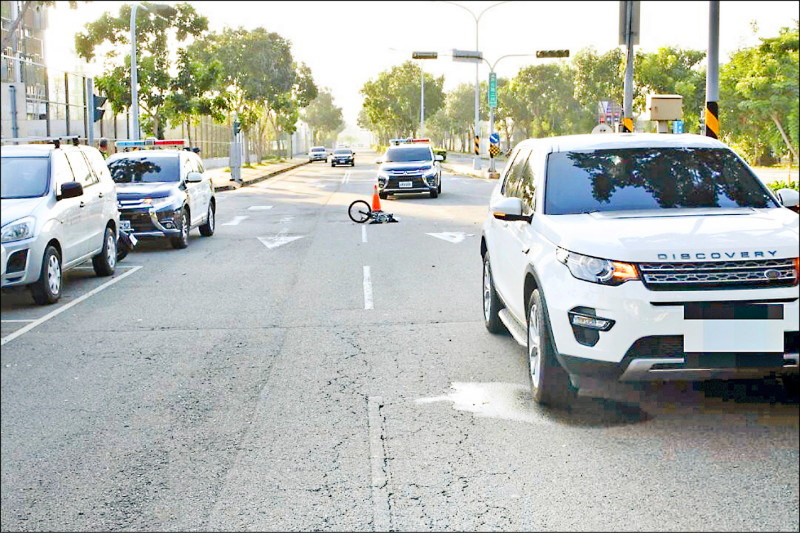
650, 178
400, 155
147, 169
23, 177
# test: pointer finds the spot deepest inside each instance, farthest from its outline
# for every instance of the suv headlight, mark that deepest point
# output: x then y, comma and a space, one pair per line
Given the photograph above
429, 173
383, 177
596, 270
18, 230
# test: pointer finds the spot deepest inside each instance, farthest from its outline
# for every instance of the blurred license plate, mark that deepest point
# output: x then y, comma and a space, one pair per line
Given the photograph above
405, 184
125, 224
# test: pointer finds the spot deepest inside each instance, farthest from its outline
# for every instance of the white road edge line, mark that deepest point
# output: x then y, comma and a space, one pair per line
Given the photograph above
63, 308
367, 289
20, 320
380, 492
363, 234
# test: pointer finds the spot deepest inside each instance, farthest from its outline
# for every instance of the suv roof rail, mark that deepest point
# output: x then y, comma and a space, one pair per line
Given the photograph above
56, 140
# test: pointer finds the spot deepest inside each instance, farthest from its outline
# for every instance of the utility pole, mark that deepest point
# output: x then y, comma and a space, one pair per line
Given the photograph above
712, 72
629, 36
422, 55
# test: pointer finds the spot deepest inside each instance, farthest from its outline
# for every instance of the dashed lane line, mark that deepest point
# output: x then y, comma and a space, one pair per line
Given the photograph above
48, 316
367, 288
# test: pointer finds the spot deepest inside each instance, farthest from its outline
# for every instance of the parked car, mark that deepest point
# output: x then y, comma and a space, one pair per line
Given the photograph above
317, 153
640, 257
409, 167
163, 193
343, 156
59, 210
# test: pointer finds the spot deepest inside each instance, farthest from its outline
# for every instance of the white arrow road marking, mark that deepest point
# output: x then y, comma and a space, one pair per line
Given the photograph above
235, 221
278, 240
259, 207
451, 236
284, 220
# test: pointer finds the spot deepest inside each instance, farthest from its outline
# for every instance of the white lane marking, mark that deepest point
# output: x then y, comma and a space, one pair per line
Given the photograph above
278, 240
346, 177
285, 220
259, 207
20, 320
377, 454
363, 234
367, 289
63, 308
235, 221
451, 236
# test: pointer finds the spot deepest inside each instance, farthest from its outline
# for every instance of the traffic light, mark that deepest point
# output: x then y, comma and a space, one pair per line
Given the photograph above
97, 105
424, 55
470, 56
236, 128
552, 53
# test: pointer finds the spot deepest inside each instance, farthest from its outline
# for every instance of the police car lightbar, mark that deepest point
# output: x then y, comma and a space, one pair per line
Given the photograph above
420, 140
56, 140
150, 142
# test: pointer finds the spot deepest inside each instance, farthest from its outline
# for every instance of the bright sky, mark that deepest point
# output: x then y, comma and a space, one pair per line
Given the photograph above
348, 43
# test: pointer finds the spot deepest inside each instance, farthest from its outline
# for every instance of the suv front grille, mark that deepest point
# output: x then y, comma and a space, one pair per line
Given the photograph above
719, 274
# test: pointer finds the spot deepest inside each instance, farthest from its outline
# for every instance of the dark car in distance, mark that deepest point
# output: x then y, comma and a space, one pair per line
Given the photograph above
343, 156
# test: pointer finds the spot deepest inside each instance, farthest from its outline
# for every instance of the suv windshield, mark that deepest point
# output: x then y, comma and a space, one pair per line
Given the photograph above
649, 178
342, 152
399, 155
23, 177
146, 169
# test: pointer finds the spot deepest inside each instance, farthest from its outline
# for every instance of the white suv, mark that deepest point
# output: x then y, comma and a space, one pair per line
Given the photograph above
59, 209
640, 257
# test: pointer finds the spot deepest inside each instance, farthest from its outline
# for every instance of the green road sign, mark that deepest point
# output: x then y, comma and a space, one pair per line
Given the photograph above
492, 89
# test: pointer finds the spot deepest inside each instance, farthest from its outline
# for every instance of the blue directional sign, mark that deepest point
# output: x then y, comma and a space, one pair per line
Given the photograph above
494, 138
677, 126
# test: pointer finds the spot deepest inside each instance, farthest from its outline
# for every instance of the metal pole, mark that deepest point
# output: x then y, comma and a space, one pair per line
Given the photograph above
134, 134
88, 122
712, 72
421, 100
477, 161
12, 95
627, 113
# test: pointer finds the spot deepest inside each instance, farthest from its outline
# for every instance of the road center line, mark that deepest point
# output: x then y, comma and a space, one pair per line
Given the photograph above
367, 289
63, 308
363, 234
377, 452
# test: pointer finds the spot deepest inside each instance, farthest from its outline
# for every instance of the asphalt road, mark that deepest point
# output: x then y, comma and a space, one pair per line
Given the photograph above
297, 371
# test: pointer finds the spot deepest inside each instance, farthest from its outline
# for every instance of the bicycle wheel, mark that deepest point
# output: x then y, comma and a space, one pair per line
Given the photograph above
359, 211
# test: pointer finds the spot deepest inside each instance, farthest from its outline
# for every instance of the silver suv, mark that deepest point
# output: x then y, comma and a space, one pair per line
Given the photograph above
59, 209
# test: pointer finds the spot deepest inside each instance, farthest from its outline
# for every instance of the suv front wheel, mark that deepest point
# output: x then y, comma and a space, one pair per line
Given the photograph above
550, 383
47, 289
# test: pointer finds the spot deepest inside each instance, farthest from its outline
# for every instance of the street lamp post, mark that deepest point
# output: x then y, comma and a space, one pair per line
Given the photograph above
134, 79
422, 55
477, 160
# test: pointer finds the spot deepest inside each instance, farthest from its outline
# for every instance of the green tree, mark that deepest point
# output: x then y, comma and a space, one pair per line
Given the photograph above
324, 118
392, 101
597, 78
155, 27
543, 102
759, 94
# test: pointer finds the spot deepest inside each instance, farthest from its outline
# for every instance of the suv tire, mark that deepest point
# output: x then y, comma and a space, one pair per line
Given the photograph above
182, 240
550, 384
207, 229
105, 262
491, 302
47, 290
434, 194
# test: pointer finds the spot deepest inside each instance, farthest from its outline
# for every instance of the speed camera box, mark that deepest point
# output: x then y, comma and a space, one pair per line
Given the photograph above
665, 106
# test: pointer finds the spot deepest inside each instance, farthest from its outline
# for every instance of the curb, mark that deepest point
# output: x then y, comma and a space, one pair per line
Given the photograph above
258, 179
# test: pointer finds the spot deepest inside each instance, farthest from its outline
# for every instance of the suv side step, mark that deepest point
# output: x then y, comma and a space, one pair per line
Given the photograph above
515, 328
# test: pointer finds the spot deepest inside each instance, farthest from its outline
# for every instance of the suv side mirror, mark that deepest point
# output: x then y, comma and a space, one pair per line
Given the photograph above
70, 189
438, 158
788, 197
194, 177
379, 161
510, 210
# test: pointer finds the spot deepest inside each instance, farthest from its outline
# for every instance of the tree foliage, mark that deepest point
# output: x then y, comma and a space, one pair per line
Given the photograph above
324, 118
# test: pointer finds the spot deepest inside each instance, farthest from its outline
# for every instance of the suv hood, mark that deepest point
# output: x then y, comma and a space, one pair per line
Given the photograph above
134, 191
702, 234
410, 165
12, 209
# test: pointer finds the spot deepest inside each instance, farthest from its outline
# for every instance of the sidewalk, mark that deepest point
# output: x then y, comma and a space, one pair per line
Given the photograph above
222, 180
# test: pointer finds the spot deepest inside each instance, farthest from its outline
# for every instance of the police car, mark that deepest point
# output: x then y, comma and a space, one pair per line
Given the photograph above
162, 190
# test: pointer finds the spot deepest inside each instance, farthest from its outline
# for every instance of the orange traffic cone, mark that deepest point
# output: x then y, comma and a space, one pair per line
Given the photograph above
376, 200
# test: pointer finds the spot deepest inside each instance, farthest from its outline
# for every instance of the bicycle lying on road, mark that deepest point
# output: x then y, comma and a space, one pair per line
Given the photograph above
360, 211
